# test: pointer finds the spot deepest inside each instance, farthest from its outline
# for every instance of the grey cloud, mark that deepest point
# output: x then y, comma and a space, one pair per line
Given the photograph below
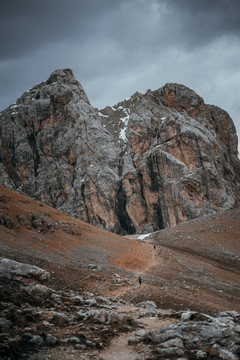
137, 26
202, 21
25, 25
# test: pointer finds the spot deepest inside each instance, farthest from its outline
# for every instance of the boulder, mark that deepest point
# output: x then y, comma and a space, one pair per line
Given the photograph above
50, 340
90, 302
148, 304
209, 338
77, 299
12, 269
189, 315
4, 324
59, 318
7, 221
38, 290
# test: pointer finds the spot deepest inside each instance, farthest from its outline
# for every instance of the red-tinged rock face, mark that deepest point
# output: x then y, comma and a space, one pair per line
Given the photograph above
147, 163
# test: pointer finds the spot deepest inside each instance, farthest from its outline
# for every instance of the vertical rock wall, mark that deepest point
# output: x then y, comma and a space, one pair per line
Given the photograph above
148, 163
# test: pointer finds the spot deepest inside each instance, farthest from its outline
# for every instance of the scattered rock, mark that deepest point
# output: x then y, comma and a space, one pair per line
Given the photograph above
50, 340
202, 339
90, 302
36, 340
74, 340
82, 322
102, 300
4, 324
7, 221
148, 304
78, 300
188, 315
140, 333
94, 267
59, 318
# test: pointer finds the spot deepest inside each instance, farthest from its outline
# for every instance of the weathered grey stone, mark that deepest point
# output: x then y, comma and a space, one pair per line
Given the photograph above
219, 339
148, 304
37, 290
227, 355
189, 315
78, 300
81, 315
59, 318
74, 340
4, 324
15, 270
51, 340
237, 329
80, 346
153, 313
140, 333
90, 343
229, 314
3, 335
90, 302
208, 332
201, 354
56, 297
134, 340
94, 267
176, 342
38, 357
7, 221
120, 318
103, 300
159, 336
36, 340
171, 351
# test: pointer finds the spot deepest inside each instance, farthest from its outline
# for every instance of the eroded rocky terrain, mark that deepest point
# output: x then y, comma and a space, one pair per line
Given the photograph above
148, 163
71, 291
38, 322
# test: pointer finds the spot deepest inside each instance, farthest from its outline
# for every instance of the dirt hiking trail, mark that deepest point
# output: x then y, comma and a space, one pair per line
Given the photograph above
120, 349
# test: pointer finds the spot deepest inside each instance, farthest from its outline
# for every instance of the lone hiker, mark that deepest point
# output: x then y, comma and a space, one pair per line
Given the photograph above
140, 280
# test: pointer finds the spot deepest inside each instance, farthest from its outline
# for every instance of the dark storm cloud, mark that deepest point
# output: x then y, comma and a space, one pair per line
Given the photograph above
199, 22
26, 25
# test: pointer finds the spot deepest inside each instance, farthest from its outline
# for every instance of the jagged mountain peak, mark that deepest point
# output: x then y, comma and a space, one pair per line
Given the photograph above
150, 162
178, 97
61, 75
60, 86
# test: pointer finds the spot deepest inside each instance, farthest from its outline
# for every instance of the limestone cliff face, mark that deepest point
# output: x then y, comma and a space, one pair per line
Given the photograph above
149, 162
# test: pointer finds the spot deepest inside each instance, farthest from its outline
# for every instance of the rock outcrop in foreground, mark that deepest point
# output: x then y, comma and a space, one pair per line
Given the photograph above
148, 163
38, 322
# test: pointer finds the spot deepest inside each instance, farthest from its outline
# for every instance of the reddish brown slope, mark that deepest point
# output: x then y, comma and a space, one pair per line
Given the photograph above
33, 232
195, 265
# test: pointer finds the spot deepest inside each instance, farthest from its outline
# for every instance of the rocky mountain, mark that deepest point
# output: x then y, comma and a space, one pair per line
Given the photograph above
147, 163
70, 291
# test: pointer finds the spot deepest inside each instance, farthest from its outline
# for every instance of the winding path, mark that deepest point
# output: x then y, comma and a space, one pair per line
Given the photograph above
119, 348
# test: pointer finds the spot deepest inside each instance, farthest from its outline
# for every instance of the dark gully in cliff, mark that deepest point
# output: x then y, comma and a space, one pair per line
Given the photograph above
147, 163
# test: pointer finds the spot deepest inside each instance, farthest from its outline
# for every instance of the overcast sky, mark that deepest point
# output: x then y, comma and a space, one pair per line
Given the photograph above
118, 47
